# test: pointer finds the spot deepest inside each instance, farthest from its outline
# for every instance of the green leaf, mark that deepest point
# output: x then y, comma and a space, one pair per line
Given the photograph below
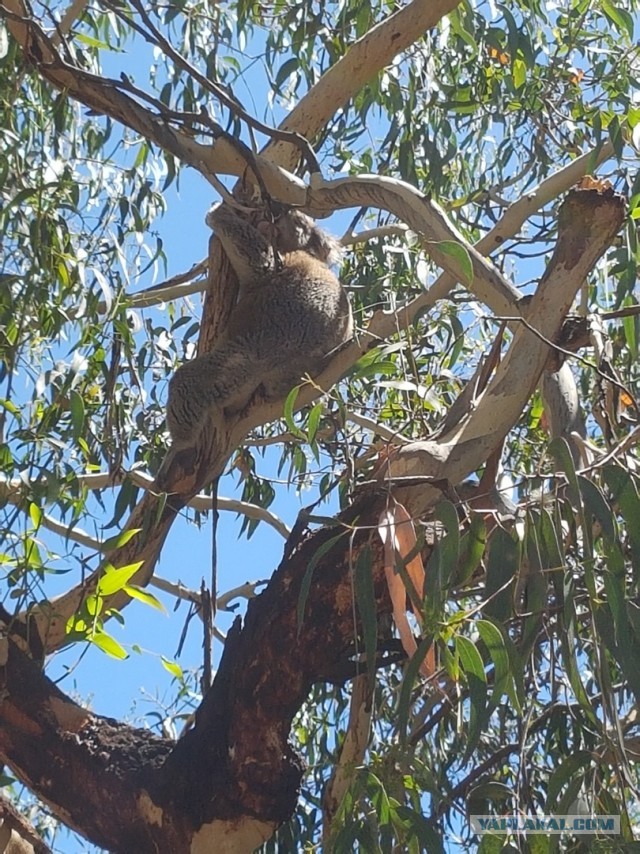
502, 568
568, 768
35, 514
420, 829
76, 407
534, 573
570, 649
10, 407
364, 368
90, 41
519, 73
291, 66
448, 546
313, 421
538, 844
597, 505
473, 668
562, 454
289, 406
472, 546
624, 494
112, 580
456, 20
503, 683
6, 780
482, 798
615, 627
490, 844
410, 676
463, 262
124, 500
119, 540
619, 17
93, 605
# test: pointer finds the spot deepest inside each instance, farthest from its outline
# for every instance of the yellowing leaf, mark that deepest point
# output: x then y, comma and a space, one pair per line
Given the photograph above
35, 514
519, 73
108, 645
173, 667
119, 540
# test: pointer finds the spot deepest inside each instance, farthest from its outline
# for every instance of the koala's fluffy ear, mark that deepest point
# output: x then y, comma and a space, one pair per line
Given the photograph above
325, 247
251, 255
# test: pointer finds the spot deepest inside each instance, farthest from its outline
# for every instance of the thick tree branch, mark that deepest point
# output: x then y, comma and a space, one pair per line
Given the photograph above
17, 836
352, 752
589, 220
364, 59
131, 791
113, 98
91, 771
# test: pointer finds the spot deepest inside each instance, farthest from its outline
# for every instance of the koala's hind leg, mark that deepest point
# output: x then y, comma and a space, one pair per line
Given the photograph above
200, 390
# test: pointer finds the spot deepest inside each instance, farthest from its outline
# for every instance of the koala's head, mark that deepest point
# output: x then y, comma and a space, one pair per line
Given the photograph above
295, 230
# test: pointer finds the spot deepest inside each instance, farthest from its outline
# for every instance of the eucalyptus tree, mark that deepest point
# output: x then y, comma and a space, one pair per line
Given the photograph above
470, 453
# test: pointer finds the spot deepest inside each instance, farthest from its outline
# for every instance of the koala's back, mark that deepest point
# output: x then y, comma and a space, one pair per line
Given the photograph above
300, 309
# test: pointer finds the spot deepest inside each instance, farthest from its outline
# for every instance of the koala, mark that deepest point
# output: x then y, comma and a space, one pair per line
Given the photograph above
291, 314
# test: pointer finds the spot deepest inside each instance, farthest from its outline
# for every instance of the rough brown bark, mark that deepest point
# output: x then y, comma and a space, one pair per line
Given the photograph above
128, 790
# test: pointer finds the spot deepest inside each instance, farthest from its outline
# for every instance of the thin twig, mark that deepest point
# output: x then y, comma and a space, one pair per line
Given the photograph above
13, 492
154, 36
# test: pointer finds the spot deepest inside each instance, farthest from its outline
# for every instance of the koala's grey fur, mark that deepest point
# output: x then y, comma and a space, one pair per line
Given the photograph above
291, 314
